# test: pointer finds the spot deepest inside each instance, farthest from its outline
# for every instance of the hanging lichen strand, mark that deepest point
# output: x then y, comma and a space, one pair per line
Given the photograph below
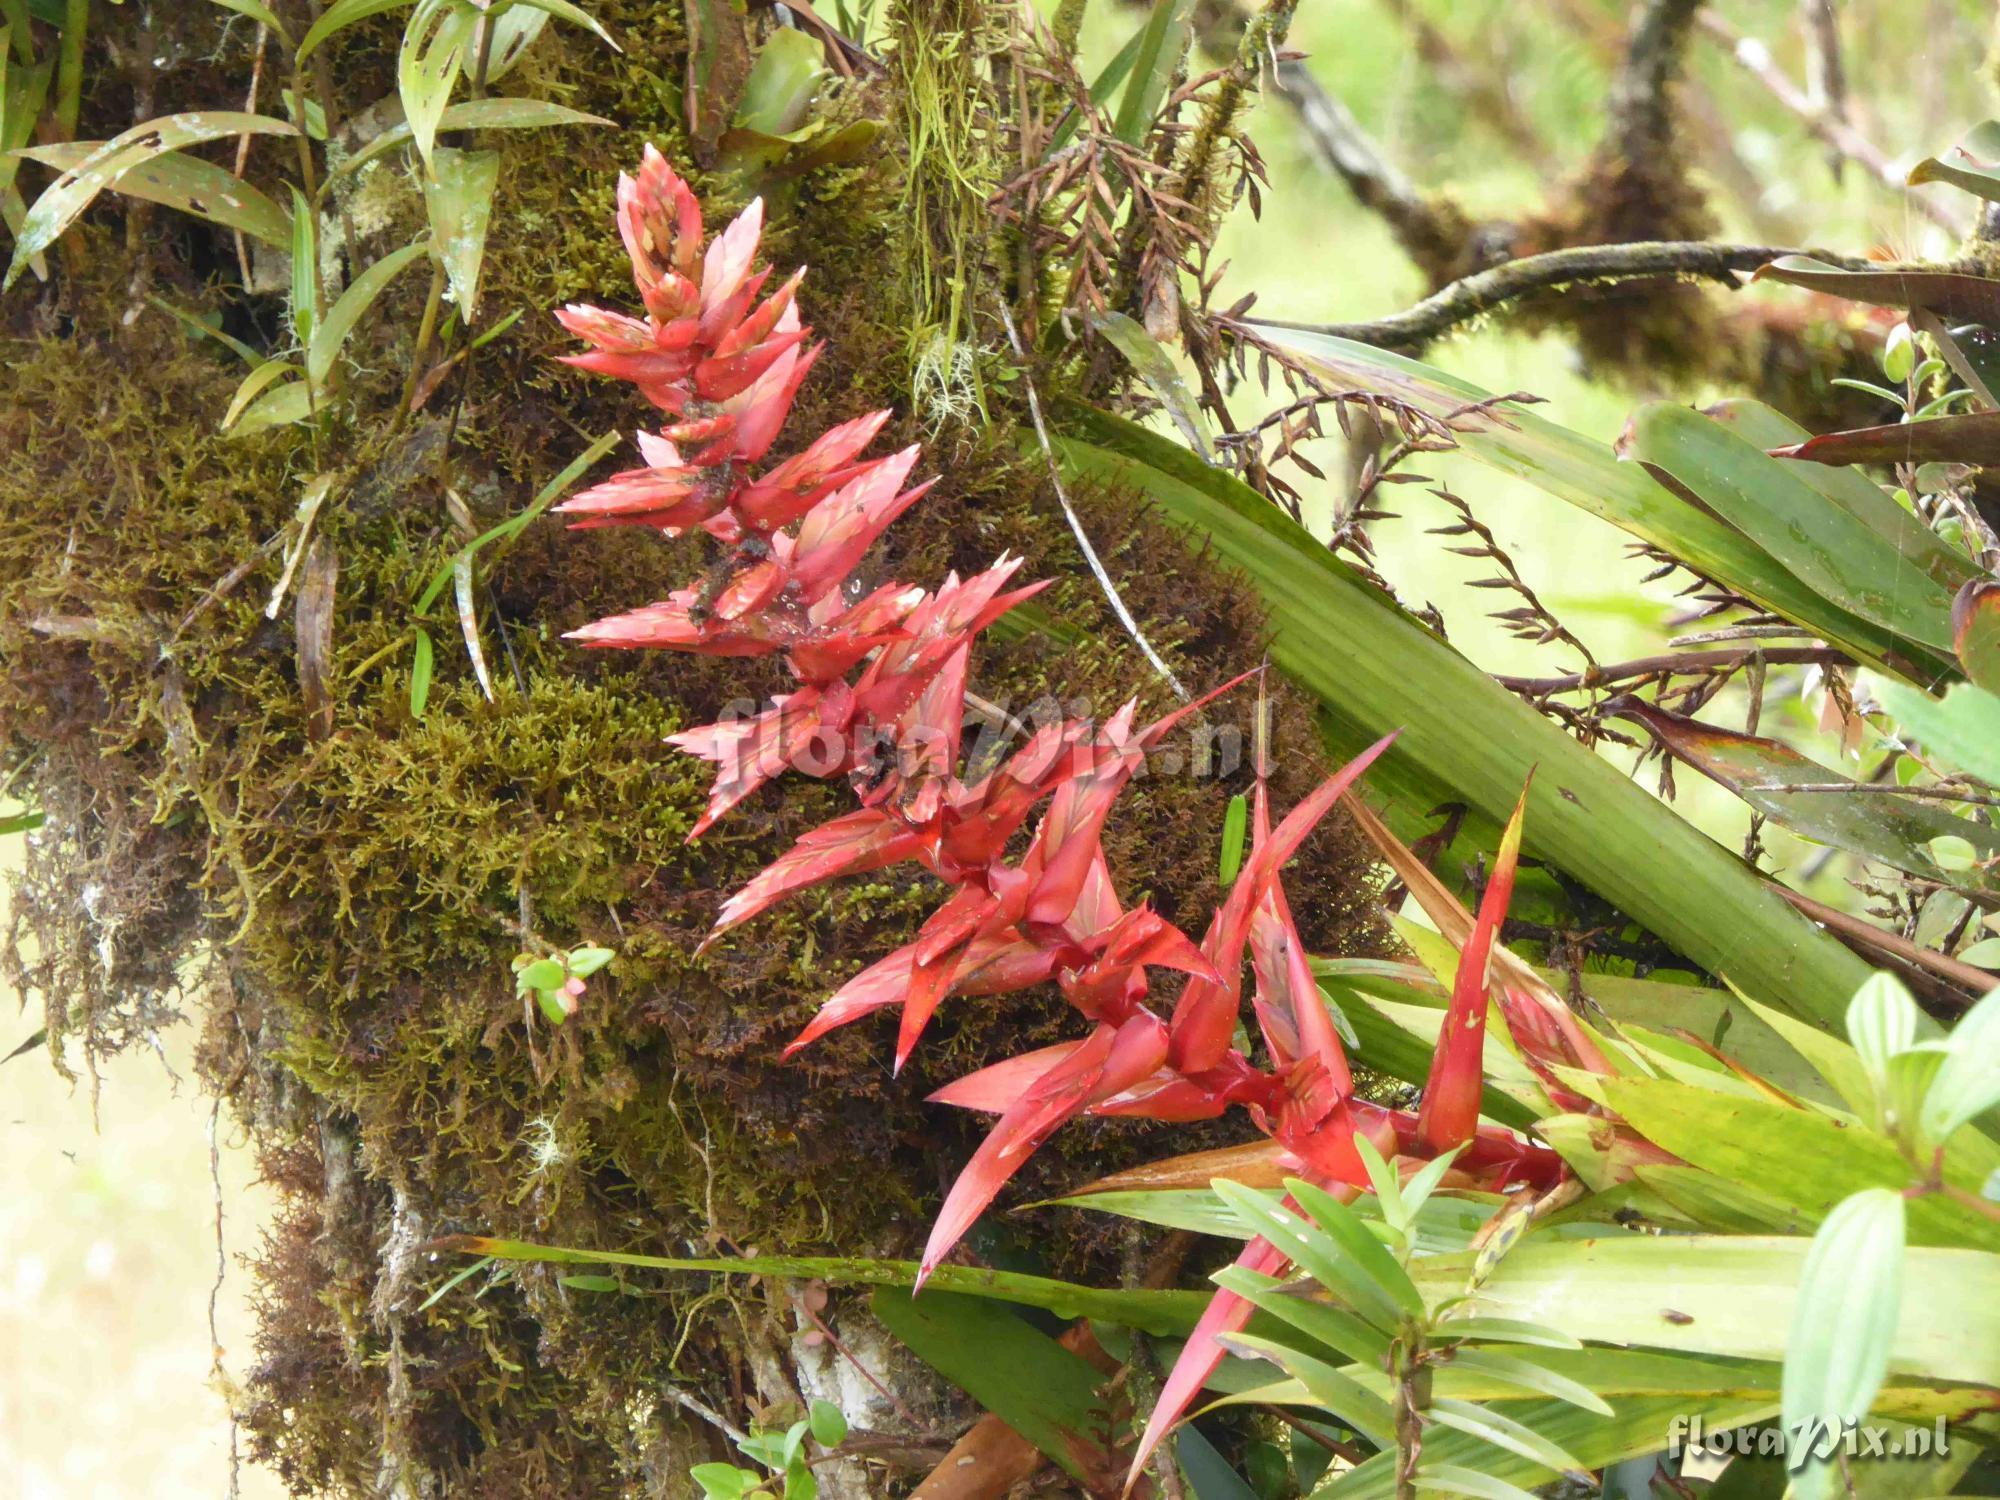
881, 700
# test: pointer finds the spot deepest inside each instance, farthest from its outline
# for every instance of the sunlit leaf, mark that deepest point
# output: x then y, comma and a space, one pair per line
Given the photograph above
1962, 729
435, 49
1156, 367
1973, 164
186, 183
475, 114
339, 16
1967, 1083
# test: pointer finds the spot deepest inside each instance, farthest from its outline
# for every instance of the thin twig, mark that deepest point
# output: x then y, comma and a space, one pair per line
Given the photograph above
1868, 935
1075, 523
707, 1413
1673, 664
1830, 129
1475, 295
216, 1372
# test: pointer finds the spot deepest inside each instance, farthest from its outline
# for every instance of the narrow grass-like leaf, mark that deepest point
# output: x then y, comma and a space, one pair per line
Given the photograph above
1953, 294
280, 406
421, 664
253, 385
1502, 1432
1041, 1390
1491, 1330
576, 15
186, 183
1465, 737
71, 193
475, 114
1338, 1270
340, 15
1334, 1389
1349, 1232
347, 311
1163, 40
1449, 1479
1526, 1375
1328, 1327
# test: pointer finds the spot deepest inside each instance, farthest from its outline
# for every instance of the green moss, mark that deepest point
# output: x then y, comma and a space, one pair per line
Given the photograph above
354, 899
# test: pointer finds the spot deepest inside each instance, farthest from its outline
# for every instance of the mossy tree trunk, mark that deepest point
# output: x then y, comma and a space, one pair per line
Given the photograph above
246, 820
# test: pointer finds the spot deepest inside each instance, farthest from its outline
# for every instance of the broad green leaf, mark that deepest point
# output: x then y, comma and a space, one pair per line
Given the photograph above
331, 335
1041, 1390
828, 1423
1350, 1234
588, 1283
71, 193
339, 16
1881, 1022
1449, 1479
475, 114
1442, 1223
1833, 1059
779, 91
1951, 294
253, 385
1208, 1474
1973, 164
1969, 438
459, 194
435, 48
280, 406
514, 32
542, 974
1895, 830
187, 183
1975, 630
1334, 1389
1163, 41
1585, 473
1962, 729
1967, 1083
1729, 1295
723, 1481
1829, 550
1843, 1327
1853, 492
1716, 1203
1798, 1155
584, 962
1156, 367
1465, 738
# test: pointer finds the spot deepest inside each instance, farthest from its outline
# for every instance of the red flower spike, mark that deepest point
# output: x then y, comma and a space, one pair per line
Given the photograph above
1225, 1314
1450, 1111
1205, 1019
1112, 1060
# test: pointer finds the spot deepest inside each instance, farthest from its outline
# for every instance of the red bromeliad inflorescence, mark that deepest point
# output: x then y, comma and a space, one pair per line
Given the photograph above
880, 699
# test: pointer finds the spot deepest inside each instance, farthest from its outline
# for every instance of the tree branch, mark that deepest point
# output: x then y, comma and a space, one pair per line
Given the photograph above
1823, 124
1475, 295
